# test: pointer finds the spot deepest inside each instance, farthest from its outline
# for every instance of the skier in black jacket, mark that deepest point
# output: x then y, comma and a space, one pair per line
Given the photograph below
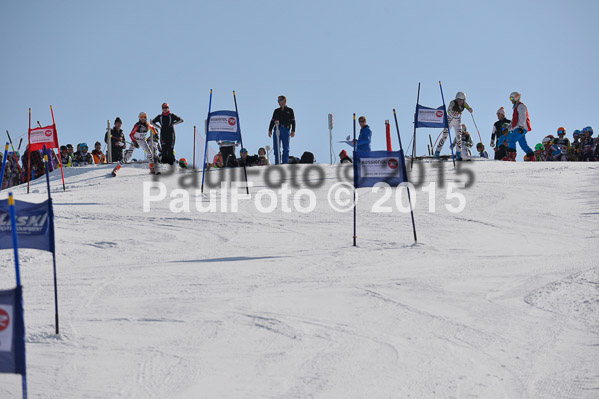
497, 132
166, 121
283, 120
117, 140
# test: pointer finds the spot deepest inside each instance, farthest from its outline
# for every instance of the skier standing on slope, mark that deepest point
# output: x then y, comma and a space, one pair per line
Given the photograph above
520, 126
166, 121
284, 118
454, 113
138, 138
497, 132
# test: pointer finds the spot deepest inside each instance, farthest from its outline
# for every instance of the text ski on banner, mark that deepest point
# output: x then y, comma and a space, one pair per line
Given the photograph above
430, 117
33, 225
371, 167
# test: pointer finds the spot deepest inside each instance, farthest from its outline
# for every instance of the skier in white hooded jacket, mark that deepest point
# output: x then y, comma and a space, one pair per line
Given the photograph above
454, 115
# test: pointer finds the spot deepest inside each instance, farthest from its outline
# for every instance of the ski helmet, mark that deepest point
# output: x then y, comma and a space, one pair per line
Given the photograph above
561, 130
515, 96
143, 116
589, 130
83, 145
576, 133
539, 147
165, 105
183, 163
505, 127
548, 139
460, 96
480, 145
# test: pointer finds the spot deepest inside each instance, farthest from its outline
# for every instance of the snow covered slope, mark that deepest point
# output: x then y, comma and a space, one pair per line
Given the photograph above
500, 300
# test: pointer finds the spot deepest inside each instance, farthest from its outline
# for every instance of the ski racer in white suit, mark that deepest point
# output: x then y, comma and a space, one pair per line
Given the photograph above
454, 116
138, 139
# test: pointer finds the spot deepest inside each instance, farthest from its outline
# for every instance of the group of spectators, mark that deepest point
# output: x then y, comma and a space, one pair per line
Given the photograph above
226, 157
583, 148
19, 168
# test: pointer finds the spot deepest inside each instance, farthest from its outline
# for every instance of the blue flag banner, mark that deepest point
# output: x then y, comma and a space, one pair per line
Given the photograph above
12, 332
430, 117
223, 125
33, 225
371, 167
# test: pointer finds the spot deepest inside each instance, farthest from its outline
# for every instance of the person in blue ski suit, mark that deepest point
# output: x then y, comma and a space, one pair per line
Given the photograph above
365, 137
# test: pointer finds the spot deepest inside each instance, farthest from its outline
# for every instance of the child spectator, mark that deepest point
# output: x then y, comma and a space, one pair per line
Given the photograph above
37, 165
563, 143
97, 153
344, 158
83, 157
64, 156
539, 152
71, 154
262, 158
244, 159
502, 143
12, 173
497, 131
480, 147
217, 162
575, 148
467, 142
588, 145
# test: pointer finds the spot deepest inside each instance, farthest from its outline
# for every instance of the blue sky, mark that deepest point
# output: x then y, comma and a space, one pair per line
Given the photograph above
94, 61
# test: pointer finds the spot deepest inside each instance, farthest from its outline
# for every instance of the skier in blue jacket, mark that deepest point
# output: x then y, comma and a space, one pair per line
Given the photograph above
365, 137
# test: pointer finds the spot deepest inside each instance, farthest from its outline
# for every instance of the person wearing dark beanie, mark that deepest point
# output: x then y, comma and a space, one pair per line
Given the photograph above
117, 141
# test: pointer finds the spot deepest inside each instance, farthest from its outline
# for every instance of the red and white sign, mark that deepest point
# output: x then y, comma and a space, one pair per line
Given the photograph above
43, 136
393, 163
5, 328
222, 123
439, 114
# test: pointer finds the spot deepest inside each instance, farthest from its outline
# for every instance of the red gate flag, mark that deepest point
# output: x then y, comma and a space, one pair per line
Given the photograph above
41, 136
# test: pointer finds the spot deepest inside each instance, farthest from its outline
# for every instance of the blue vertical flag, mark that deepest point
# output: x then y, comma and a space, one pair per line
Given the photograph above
12, 332
371, 167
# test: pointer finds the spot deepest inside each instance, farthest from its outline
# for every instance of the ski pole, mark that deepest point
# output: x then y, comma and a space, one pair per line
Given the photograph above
431, 140
278, 143
472, 115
